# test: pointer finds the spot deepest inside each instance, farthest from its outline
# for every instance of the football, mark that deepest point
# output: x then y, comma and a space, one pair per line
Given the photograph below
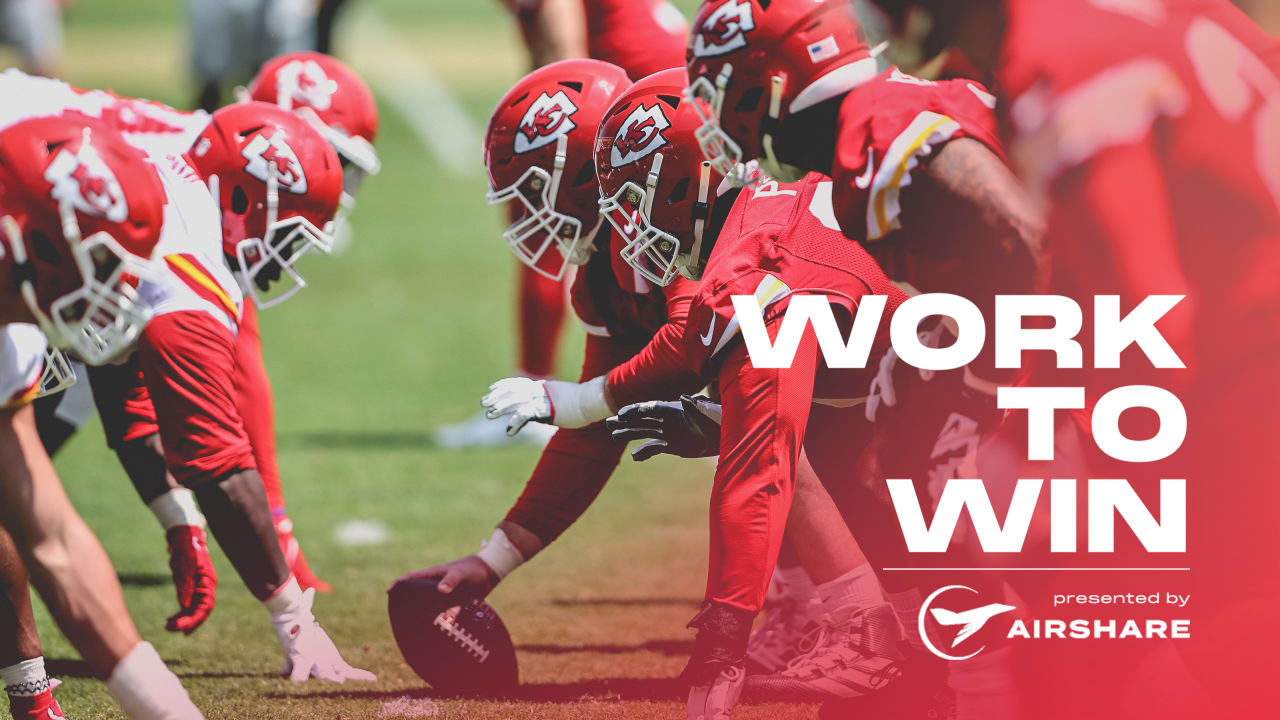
459, 648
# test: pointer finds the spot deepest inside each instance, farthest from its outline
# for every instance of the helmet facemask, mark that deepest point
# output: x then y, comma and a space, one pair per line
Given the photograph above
724, 154
101, 319
58, 375
655, 254
540, 226
269, 261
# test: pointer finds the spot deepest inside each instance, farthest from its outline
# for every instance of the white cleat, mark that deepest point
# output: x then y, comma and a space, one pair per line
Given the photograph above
782, 633
479, 431
851, 656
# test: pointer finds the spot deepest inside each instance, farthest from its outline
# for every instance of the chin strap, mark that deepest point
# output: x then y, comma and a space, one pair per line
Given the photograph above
772, 121
692, 267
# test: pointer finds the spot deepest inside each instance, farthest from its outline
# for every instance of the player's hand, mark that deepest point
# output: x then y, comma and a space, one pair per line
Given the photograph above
521, 398
194, 578
686, 428
309, 653
470, 574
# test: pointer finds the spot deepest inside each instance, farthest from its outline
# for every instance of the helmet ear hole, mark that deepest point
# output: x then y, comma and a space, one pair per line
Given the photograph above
239, 201
42, 248
750, 100
678, 192
586, 174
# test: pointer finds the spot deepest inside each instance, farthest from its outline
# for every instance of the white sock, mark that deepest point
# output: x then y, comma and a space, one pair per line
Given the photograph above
147, 690
794, 582
176, 507
289, 611
26, 679
906, 605
855, 589
985, 687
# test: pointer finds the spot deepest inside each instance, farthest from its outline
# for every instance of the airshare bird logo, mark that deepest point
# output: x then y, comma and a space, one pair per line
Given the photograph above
546, 120
970, 621
724, 30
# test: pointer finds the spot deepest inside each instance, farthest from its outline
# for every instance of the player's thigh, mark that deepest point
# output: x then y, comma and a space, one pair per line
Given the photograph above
188, 364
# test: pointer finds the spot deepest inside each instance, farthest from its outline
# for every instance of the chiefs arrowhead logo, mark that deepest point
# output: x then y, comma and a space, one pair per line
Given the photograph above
546, 120
261, 151
640, 135
86, 182
305, 83
724, 30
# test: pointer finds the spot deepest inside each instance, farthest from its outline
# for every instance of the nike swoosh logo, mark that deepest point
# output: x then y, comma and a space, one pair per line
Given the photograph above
706, 339
863, 181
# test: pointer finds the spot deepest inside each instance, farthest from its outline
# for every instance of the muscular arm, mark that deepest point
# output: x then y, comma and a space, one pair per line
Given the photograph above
967, 185
573, 468
67, 564
659, 370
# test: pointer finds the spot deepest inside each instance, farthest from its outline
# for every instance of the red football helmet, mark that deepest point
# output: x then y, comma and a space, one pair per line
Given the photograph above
656, 189
753, 62
538, 152
81, 213
325, 91
277, 181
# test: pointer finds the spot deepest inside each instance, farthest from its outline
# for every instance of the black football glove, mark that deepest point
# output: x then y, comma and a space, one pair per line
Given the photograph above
689, 427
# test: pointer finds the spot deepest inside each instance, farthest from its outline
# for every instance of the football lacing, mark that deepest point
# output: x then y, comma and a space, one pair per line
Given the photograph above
460, 635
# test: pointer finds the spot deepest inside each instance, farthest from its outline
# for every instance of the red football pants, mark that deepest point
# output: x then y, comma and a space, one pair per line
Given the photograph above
766, 412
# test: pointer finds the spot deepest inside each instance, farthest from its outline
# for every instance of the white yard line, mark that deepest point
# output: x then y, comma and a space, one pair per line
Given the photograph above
403, 78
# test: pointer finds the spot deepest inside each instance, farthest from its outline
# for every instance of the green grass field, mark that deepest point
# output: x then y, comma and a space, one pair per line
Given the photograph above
401, 333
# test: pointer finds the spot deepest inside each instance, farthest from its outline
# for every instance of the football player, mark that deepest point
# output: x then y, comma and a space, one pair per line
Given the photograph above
918, 176
278, 184
639, 36
337, 102
80, 216
1150, 132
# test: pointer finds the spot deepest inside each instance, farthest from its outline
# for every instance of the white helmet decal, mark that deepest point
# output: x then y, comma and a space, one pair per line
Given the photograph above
639, 135
86, 182
724, 30
546, 120
289, 173
305, 83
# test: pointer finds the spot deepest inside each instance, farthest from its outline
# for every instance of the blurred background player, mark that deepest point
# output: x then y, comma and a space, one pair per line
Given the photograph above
34, 27
231, 39
75, 222
639, 36
1153, 144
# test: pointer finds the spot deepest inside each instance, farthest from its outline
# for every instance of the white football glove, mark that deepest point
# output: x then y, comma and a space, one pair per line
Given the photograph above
563, 404
309, 653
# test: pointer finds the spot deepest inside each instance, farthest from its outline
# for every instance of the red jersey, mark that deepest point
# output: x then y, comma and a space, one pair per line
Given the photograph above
639, 36
779, 239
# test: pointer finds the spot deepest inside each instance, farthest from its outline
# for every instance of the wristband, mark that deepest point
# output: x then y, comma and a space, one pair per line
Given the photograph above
499, 554
577, 405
